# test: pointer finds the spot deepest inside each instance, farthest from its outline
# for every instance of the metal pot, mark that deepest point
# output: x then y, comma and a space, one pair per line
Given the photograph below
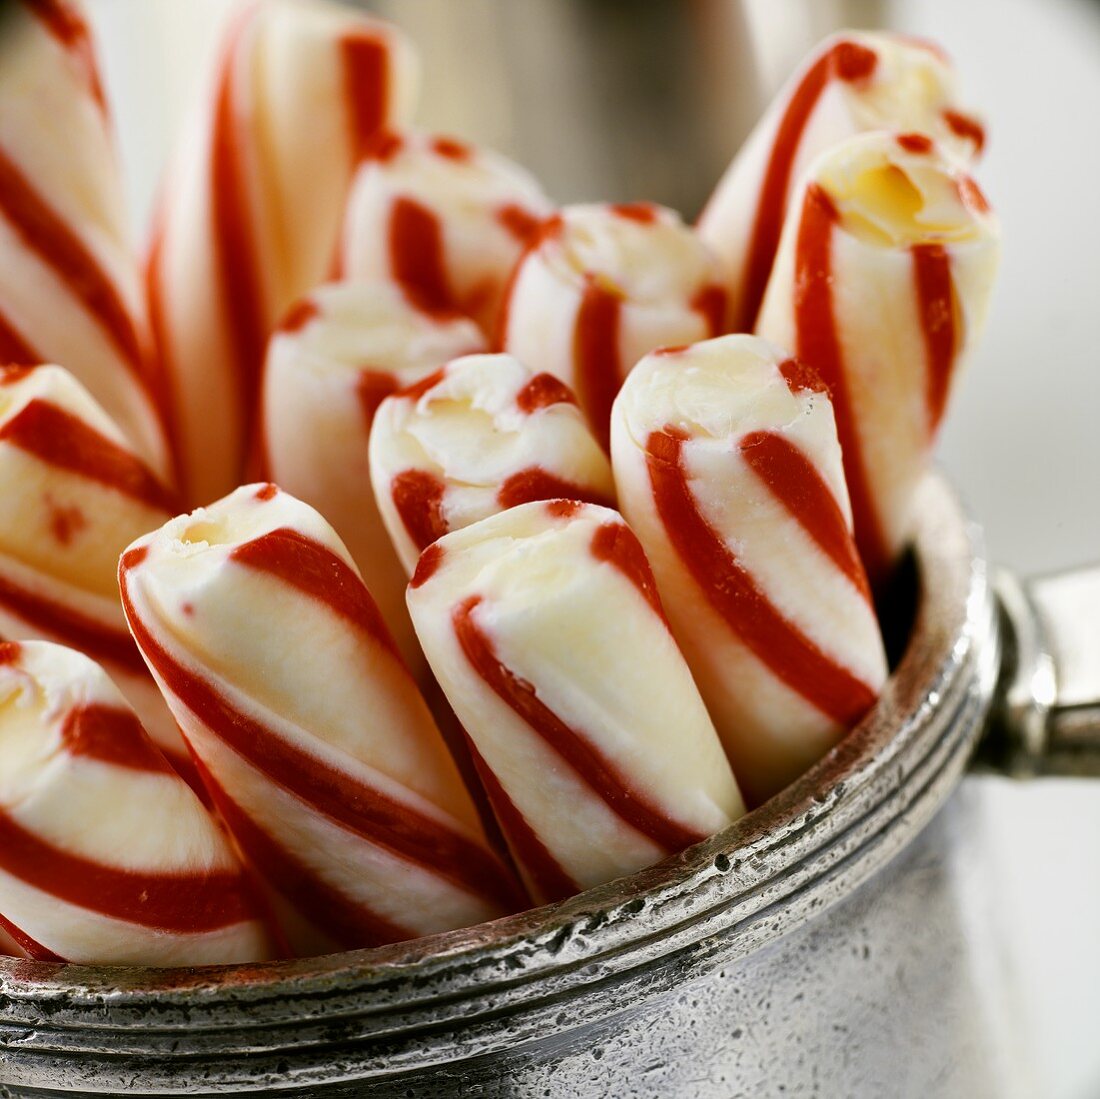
792, 952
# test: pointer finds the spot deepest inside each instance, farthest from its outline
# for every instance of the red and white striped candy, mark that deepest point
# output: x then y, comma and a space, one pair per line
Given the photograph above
73, 495
444, 220
881, 284
481, 435
728, 467
315, 745
853, 82
338, 353
70, 290
250, 209
106, 856
542, 624
604, 285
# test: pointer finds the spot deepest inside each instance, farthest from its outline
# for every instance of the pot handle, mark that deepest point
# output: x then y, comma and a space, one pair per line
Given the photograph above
1046, 718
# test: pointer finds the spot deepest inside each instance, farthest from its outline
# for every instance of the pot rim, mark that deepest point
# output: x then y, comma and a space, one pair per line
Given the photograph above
770, 871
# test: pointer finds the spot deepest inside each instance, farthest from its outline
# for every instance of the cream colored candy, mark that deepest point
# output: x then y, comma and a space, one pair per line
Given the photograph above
604, 285
338, 353
74, 495
854, 82
728, 467
317, 749
70, 290
251, 207
482, 435
543, 626
882, 284
443, 220
106, 856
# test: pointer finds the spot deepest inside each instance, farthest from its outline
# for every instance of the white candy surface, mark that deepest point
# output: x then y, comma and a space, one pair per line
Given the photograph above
337, 355
604, 285
317, 748
70, 290
482, 435
854, 82
251, 207
881, 284
73, 495
443, 220
107, 857
543, 627
728, 467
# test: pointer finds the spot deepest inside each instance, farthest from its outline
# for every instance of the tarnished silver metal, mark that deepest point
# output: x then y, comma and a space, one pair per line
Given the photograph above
1047, 717
755, 960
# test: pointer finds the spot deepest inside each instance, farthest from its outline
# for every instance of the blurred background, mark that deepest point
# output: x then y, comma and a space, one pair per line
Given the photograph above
648, 99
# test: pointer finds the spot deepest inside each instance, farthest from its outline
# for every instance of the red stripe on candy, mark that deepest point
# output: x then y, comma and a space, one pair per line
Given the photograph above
818, 344
365, 63
618, 545
796, 483
591, 766
313, 569
13, 347
371, 388
451, 149
428, 565
356, 805
33, 949
542, 391
65, 441
163, 380
522, 224
349, 924
417, 257
64, 22
111, 734
920, 144
846, 61
596, 359
563, 509
801, 378
186, 902
418, 389
936, 305
710, 303
46, 618
418, 497
778, 644
46, 234
550, 880
645, 213
299, 315
235, 247
965, 126
537, 484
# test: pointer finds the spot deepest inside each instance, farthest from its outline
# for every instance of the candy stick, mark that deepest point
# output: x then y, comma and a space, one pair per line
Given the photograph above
852, 83
106, 856
443, 220
481, 435
881, 284
603, 285
543, 625
338, 353
729, 469
69, 285
316, 747
74, 496
250, 210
